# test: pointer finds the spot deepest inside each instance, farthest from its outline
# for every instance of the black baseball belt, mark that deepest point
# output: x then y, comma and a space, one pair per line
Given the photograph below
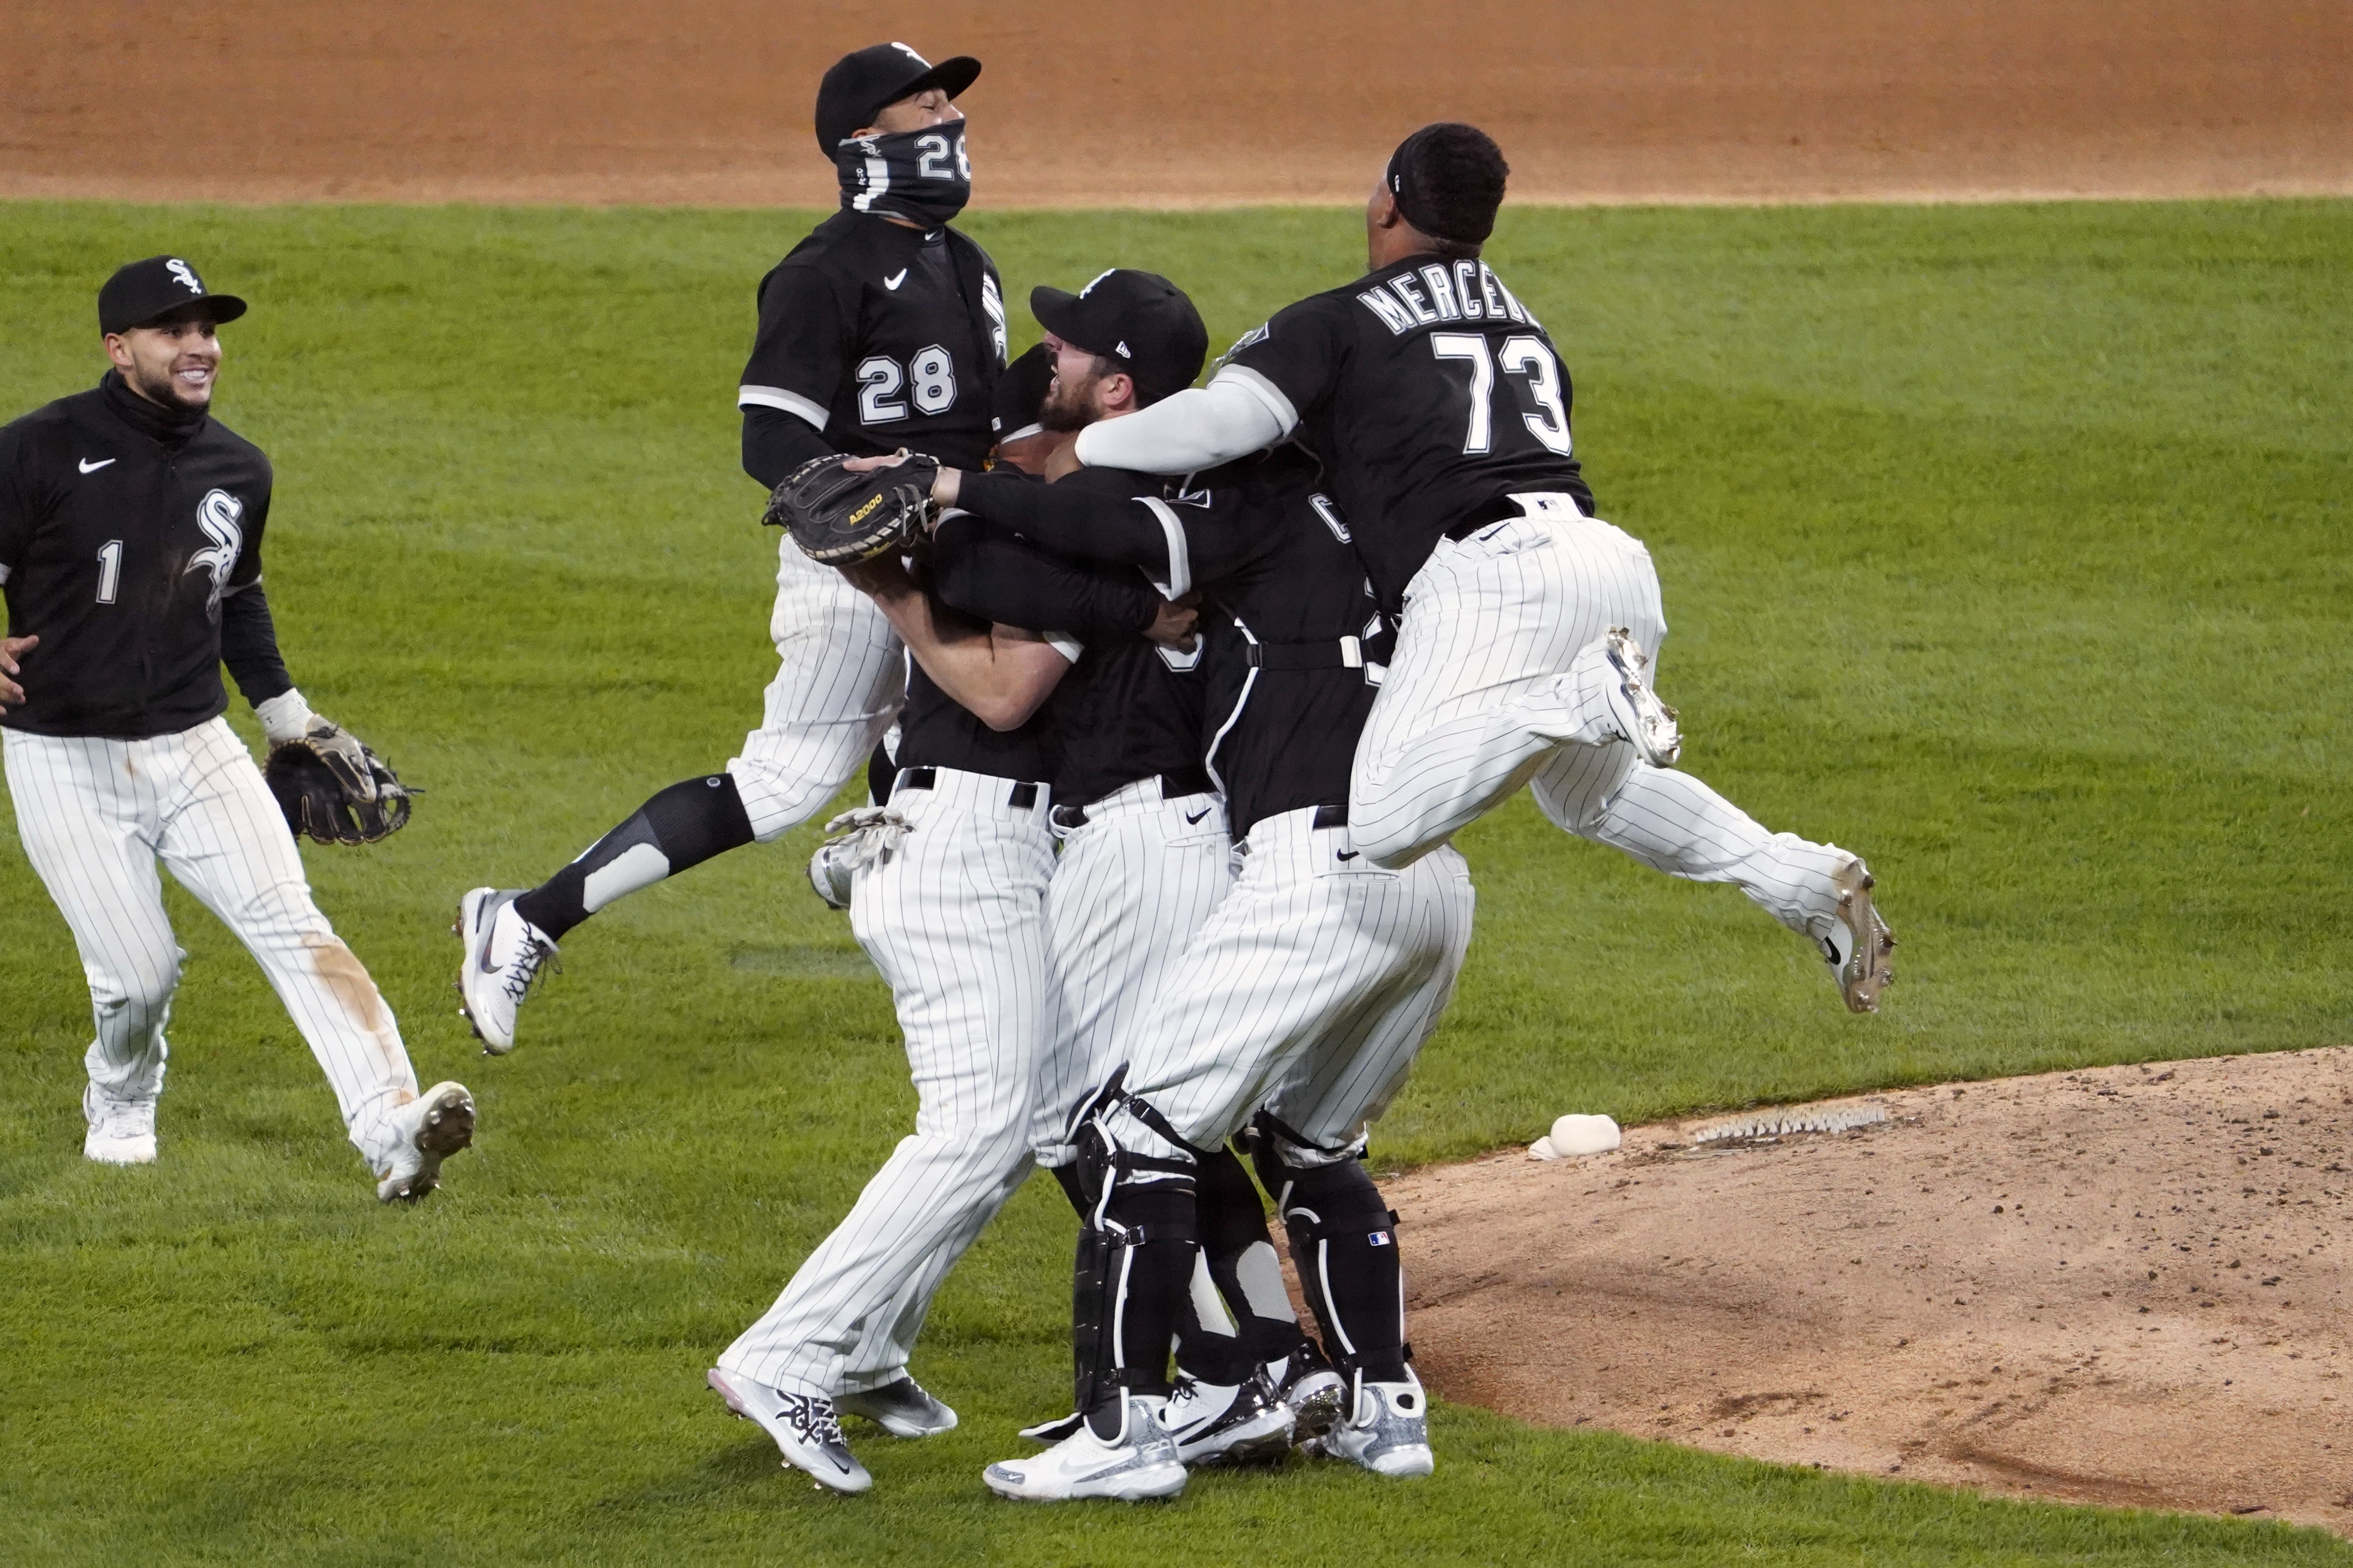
1173, 786
1019, 796
1341, 653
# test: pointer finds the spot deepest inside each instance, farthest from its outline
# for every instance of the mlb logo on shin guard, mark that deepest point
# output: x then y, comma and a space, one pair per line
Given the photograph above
1378, 1238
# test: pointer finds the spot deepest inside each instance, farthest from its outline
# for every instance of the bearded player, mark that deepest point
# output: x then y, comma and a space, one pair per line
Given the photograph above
884, 328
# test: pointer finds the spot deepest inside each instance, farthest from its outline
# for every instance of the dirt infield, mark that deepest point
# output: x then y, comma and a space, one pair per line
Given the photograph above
2124, 1286
1213, 102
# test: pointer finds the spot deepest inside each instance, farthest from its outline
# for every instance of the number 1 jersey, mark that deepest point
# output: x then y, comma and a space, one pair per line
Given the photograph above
1430, 394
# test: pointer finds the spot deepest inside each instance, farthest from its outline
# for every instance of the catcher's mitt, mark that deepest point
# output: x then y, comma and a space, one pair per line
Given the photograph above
333, 788
841, 518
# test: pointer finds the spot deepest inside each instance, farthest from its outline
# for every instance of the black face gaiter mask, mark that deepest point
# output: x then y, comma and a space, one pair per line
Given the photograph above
920, 175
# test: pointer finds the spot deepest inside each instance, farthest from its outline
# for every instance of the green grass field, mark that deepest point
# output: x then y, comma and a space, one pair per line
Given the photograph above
2006, 545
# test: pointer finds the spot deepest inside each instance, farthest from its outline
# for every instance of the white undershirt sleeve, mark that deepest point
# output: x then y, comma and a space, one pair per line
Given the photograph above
1239, 412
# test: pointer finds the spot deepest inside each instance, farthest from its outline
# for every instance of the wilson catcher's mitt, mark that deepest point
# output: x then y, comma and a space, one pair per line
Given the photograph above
333, 788
841, 518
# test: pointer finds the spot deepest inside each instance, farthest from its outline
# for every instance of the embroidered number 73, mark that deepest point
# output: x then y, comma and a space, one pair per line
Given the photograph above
1522, 355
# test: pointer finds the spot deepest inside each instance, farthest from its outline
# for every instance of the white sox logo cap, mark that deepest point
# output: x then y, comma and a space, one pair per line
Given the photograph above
143, 291
861, 83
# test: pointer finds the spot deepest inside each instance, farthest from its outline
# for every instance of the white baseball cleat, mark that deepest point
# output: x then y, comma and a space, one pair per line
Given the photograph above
504, 955
1645, 720
804, 1424
1860, 949
1219, 1424
903, 1408
432, 1127
121, 1132
828, 874
1138, 1462
1388, 1431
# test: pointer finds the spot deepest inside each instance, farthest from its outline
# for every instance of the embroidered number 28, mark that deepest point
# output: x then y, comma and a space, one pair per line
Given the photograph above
931, 372
1524, 356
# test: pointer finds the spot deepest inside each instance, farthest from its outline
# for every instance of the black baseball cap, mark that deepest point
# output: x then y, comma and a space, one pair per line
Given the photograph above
1020, 393
1139, 319
143, 291
854, 91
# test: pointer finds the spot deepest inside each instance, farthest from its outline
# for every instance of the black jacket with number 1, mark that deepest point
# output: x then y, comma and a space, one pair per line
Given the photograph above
131, 545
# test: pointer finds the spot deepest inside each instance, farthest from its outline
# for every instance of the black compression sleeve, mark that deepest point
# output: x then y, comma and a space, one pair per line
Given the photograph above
775, 443
986, 572
1064, 517
249, 642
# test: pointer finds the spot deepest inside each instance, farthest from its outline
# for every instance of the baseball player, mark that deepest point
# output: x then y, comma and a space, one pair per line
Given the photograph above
1302, 998
1440, 407
1144, 843
884, 328
130, 525
947, 896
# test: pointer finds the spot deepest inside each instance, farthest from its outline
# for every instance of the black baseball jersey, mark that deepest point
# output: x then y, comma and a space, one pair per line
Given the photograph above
122, 531
1129, 710
1295, 643
1078, 606
1430, 393
881, 336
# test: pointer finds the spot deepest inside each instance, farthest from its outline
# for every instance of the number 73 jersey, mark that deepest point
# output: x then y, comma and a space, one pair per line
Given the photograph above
1430, 393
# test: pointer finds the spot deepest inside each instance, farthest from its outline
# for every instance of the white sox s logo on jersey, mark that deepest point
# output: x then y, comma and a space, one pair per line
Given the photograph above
219, 514
185, 273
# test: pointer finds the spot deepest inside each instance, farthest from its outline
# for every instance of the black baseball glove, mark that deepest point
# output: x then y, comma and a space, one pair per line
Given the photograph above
841, 518
333, 788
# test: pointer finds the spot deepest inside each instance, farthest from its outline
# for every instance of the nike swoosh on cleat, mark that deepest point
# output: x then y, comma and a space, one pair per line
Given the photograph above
1193, 816
892, 283
87, 466
1350, 854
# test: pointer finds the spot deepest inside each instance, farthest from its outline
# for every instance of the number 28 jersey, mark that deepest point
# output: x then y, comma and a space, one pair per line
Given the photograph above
881, 336
1430, 393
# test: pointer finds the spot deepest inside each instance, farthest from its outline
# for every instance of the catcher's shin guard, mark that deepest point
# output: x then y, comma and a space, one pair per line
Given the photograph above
1343, 1244
1134, 1266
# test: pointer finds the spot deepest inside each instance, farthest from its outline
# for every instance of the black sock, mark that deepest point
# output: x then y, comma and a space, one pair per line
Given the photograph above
683, 825
1234, 1240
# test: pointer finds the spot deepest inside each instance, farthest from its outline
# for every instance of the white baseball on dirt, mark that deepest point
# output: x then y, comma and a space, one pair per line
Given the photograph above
1575, 1134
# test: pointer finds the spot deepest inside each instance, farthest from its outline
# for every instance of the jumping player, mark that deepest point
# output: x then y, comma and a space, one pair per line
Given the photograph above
130, 525
884, 328
1441, 411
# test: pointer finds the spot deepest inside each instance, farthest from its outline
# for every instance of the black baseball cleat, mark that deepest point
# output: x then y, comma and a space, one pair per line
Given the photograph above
1217, 1423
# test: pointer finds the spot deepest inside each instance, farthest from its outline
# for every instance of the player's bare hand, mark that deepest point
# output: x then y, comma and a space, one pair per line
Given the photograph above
1172, 626
867, 464
10, 692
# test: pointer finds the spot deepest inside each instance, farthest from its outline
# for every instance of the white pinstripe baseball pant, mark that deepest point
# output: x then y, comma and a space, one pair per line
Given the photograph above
1309, 990
96, 814
1498, 681
955, 918
1132, 885
840, 674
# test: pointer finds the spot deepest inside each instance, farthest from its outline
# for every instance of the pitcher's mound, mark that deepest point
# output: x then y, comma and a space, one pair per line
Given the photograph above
2124, 1286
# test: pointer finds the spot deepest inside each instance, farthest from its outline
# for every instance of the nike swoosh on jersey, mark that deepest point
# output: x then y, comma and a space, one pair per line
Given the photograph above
87, 466
1193, 816
893, 282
